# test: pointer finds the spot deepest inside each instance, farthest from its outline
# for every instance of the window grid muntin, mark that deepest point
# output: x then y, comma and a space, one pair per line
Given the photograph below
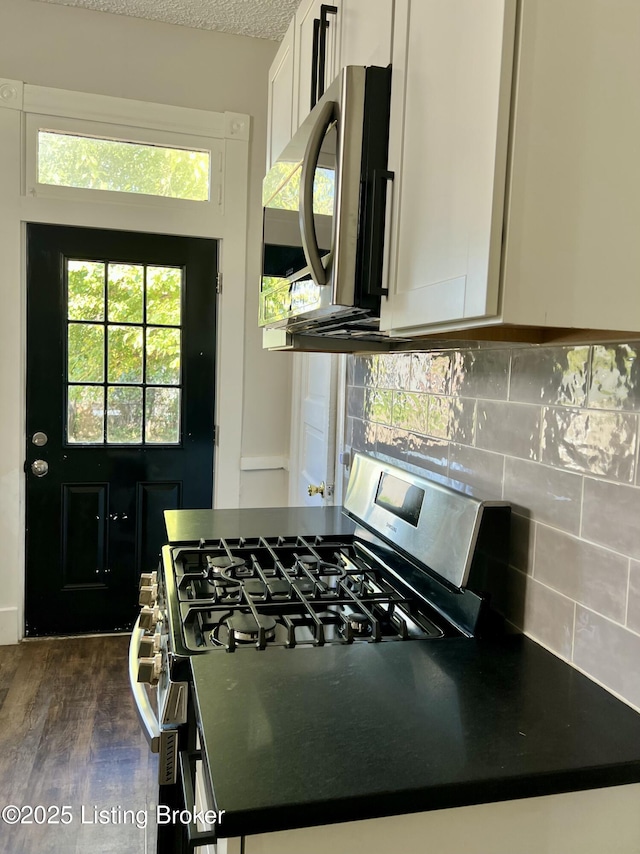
105, 384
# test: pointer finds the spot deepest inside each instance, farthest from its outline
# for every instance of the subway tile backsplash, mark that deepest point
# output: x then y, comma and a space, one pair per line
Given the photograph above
553, 430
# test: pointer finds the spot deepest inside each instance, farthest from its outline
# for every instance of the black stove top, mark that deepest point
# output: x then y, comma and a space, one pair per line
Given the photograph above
416, 568
289, 592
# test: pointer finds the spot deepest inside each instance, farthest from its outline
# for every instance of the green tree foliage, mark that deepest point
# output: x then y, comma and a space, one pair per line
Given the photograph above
130, 356
66, 160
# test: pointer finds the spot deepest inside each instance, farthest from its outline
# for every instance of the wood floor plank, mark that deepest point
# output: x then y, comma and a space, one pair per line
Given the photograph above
69, 735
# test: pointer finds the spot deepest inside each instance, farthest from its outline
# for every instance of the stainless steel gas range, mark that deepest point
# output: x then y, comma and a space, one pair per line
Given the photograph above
417, 566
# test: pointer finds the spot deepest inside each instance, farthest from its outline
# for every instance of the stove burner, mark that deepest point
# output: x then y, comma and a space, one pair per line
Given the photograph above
220, 567
224, 562
309, 562
245, 628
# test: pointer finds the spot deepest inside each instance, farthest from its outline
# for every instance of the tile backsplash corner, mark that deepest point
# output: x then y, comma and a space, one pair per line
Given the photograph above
554, 430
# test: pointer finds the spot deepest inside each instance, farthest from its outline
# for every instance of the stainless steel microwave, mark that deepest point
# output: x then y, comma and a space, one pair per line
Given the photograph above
324, 204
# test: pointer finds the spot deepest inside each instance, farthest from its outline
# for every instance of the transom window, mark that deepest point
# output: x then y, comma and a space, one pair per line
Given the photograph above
124, 353
93, 163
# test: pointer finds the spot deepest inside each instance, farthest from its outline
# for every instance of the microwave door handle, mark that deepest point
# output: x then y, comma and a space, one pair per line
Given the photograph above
307, 225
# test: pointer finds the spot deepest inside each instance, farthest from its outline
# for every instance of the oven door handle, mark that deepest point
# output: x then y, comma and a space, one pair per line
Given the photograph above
195, 838
146, 715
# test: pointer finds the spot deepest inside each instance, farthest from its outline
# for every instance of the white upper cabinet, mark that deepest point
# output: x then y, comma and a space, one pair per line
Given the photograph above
313, 16
450, 106
280, 109
554, 243
572, 248
365, 32
358, 32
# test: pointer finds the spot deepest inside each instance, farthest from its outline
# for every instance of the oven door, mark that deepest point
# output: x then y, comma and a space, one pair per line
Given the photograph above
161, 708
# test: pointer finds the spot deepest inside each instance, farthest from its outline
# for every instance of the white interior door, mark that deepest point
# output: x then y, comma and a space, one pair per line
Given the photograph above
313, 428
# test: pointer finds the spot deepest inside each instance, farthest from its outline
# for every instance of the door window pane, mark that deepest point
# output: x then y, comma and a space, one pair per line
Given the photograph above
126, 293
125, 354
138, 352
124, 415
85, 286
85, 357
162, 416
85, 418
90, 163
164, 294
163, 356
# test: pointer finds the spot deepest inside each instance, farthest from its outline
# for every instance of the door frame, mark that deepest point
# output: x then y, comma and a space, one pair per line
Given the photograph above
224, 219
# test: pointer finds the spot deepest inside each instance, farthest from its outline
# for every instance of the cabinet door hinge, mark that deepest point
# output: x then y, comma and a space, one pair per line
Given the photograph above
218, 282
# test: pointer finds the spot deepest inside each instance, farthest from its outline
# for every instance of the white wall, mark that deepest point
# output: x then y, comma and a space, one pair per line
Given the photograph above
77, 49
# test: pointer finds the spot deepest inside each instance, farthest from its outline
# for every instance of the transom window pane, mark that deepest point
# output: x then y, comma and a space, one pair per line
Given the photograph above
124, 368
91, 163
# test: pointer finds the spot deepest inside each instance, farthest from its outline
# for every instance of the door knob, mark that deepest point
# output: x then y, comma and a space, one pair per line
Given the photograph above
39, 467
316, 490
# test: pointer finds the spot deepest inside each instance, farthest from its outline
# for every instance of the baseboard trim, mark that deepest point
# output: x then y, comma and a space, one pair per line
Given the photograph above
8, 626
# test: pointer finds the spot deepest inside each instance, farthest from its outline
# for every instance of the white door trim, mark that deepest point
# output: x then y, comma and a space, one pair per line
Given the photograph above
226, 222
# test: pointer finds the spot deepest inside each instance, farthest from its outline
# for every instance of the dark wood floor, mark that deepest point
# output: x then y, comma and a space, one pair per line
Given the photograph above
69, 735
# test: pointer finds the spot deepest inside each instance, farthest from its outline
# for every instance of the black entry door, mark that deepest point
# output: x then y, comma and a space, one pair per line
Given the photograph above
120, 402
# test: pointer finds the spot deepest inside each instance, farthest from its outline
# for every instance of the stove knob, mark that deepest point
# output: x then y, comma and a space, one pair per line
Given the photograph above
149, 669
149, 617
148, 579
148, 595
149, 645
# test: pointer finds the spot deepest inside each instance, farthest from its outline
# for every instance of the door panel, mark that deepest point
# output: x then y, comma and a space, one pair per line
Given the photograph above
120, 378
315, 383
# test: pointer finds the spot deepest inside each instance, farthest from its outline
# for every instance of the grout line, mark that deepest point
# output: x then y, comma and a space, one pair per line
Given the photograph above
615, 623
573, 630
626, 610
579, 538
534, 526
581, 507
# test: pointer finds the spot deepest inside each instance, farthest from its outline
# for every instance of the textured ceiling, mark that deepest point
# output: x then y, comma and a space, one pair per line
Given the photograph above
264, 19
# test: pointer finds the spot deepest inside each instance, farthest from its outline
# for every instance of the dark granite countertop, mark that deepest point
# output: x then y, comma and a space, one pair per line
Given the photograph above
297, 737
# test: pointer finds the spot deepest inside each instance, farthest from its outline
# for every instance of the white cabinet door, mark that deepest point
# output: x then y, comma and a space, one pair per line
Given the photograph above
365, 32
452, 67
308, 11
280, 110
